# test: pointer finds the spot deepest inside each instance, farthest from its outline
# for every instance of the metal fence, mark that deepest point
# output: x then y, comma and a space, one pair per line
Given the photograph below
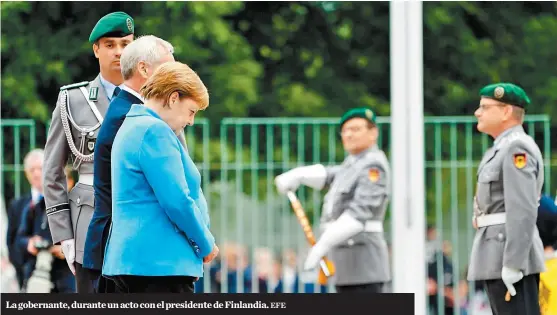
254, 225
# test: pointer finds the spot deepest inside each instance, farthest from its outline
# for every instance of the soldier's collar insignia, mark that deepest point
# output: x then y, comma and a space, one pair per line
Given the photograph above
519, 160
373, 175
93, 93
499, 92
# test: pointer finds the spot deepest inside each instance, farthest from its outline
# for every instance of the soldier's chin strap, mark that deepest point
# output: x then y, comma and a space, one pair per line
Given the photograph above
339, 231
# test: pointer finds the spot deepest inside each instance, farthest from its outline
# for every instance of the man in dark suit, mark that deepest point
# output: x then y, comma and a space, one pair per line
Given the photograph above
33, 166
41, 256
138, 62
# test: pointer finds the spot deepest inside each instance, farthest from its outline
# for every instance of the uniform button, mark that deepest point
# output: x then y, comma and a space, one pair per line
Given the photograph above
91, 133
78, 200
350, 242
500, 236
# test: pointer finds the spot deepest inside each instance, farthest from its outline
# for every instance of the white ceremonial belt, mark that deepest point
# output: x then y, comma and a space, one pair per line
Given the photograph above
491, 219
86, 179
371, 226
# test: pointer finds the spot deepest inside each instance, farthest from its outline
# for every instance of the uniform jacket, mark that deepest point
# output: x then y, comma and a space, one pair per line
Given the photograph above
510, 179
160, 220
360, 186
69, 213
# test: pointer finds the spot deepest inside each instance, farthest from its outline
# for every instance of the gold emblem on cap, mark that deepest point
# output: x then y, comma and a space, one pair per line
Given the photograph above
369, 114
129, 24
499, 92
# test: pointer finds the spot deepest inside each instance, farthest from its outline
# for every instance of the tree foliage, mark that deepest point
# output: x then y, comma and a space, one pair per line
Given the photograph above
269, 59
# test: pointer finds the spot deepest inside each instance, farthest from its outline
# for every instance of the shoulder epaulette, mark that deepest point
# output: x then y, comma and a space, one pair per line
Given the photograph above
74, 85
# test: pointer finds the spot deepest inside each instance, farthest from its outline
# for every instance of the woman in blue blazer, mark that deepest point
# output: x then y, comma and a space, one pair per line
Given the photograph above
160, 237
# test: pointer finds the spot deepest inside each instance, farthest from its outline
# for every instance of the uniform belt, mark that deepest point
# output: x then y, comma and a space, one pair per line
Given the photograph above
491, 219
371, 226
86, 179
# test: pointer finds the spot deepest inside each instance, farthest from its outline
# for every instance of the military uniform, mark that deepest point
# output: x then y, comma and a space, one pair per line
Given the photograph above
75, 123
359, 191
509, 182
360, 185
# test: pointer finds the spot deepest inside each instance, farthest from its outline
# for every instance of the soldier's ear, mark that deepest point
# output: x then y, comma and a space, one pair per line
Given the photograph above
507, 112
96, 49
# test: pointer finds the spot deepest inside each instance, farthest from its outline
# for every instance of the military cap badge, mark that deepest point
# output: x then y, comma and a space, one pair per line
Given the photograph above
369, 114
499, 92
129, 24
519, 160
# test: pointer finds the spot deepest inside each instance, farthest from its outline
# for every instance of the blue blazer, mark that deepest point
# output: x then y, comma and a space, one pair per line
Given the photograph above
97, 234
160, 220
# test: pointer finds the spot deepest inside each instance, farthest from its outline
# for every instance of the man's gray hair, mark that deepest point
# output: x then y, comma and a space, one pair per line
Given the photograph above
148, 48
35, 153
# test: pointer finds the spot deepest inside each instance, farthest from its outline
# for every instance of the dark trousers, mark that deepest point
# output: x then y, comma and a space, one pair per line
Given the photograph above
100, 283
364, 288
144, 284
525, 302
85, 279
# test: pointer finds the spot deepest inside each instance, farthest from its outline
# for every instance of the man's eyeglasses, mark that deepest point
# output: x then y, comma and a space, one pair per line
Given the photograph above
354, 129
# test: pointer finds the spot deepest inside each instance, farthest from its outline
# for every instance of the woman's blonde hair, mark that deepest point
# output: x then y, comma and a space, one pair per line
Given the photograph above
173, 77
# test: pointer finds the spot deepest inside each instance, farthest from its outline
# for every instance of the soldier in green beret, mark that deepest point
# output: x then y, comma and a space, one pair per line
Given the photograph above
507, 252
76, 120
354, 208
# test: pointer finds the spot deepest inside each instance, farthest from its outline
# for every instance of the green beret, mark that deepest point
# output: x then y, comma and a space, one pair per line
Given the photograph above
507, 93
116, 24
361, 112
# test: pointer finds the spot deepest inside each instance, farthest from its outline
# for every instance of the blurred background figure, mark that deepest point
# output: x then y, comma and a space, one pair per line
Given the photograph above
29, 235
44, 265
440, 273
33, 167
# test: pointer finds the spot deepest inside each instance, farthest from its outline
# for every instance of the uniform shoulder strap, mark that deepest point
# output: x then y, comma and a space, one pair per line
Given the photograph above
74, 85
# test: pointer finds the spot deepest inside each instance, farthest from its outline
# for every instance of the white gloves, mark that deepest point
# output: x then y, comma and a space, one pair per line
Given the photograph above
337, 232
510, 277
313, 176
68, 248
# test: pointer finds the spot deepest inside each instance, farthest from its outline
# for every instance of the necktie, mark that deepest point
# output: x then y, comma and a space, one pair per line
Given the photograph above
116, 92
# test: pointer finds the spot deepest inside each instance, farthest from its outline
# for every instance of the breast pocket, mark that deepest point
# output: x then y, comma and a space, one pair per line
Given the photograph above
488, 184
91, 141
85, 137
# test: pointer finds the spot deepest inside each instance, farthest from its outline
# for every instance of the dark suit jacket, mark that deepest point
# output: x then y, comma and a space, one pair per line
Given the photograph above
14, 213
97, 234
35, 222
